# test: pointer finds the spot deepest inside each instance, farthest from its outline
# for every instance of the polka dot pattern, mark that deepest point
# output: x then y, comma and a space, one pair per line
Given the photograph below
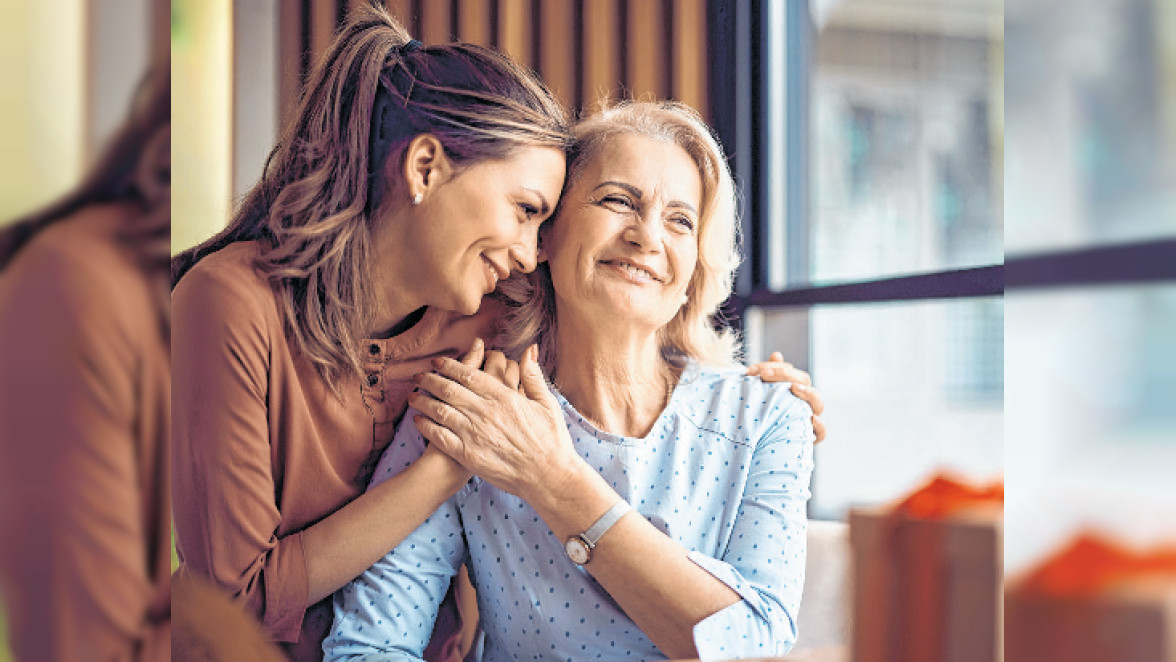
724, 472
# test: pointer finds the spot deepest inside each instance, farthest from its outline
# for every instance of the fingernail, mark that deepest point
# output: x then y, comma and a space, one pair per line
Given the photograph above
478, 344
416, 379
436, 364
799, 386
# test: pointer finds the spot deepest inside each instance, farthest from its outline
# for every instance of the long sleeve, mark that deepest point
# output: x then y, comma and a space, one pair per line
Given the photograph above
79, 489
764, 561
226, 508
388, 612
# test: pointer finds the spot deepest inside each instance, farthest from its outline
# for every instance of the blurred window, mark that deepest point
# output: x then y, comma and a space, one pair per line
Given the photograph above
871, 166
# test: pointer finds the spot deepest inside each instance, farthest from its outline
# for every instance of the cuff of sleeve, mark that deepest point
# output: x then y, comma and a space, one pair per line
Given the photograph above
739, 629
286, 598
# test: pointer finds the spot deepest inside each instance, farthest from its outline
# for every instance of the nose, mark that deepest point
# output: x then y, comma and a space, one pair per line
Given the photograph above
525, 253
645, 232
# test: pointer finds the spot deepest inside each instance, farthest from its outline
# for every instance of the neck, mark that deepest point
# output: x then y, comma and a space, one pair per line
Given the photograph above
615, 376
395, 298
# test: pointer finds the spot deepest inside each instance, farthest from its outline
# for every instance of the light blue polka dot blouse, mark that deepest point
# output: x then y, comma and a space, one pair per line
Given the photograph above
724, 472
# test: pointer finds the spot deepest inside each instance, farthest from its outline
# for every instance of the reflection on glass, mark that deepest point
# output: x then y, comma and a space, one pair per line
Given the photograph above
910, 388
1091, 102
905, 175
1091, 437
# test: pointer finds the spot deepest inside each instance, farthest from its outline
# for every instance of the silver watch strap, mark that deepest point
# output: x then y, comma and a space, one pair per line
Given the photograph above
610, 517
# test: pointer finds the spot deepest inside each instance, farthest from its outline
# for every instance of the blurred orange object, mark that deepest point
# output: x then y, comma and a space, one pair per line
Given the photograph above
1095, 601
927, 574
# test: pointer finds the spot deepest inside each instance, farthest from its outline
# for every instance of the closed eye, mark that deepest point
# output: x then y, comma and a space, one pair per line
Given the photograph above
684, 222
618, 200
529, 210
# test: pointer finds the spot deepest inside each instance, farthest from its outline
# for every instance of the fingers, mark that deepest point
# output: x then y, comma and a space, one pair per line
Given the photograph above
469, 377
474, 357
767, 367
819, 430
502, 369
533, 384
809, 395
437, 409
440, 436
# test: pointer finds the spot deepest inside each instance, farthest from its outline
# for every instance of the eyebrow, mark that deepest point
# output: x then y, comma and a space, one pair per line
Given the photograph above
636, 193
544, 207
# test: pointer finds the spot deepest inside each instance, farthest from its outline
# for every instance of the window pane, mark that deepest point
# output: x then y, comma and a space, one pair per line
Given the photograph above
909, 388
1091, 435
1091, 102
905, 149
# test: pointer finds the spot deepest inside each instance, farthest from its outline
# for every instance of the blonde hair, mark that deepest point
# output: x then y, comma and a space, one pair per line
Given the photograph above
312, 210
697, 330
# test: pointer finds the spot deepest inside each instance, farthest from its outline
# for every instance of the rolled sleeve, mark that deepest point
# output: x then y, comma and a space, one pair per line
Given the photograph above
764, 561
388, 612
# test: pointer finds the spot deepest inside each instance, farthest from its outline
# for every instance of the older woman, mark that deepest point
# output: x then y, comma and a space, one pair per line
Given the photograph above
652, 503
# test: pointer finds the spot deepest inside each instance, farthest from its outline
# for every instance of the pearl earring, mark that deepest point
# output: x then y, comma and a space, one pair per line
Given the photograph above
416, 199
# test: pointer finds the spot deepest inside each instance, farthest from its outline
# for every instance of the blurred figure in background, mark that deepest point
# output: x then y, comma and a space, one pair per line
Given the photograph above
85, 405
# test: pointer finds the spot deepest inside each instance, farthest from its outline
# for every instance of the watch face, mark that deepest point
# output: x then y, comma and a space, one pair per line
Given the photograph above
576, 550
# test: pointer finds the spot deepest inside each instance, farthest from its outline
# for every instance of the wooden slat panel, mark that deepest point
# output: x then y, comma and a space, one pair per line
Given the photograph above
436, 18
515, 29
289, 59
473, 21
602, 52
322, 28
690, 68
557, 60
646, 51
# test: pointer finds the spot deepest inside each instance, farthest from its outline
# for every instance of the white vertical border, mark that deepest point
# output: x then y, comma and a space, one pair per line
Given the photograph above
775, 145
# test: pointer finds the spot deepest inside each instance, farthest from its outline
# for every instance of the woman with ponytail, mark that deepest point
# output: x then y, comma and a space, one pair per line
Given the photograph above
411, 180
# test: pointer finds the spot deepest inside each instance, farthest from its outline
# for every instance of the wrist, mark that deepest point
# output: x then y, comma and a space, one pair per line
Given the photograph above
445, 469
572, 498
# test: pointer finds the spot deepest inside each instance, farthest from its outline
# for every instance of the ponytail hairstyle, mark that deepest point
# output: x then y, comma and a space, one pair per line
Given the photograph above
325, 183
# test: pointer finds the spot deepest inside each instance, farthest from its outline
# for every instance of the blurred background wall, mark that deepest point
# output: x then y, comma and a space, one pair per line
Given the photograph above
67, 72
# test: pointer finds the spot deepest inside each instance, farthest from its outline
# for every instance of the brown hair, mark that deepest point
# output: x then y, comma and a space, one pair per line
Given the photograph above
134, 166
697, 330
310, 211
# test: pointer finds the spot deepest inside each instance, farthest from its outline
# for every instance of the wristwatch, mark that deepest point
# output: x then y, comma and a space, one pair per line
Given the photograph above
579, 547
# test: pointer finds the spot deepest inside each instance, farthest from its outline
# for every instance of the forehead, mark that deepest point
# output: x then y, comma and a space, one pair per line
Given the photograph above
538, 168
654, 166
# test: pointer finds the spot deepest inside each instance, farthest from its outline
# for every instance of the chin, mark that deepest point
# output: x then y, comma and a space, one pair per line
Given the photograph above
469, 306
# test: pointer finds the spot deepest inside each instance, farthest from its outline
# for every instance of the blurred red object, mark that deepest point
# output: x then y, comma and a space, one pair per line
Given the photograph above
1095, 601
927, 574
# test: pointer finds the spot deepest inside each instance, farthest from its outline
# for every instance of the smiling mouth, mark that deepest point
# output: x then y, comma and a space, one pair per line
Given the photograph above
632, 270
493, 273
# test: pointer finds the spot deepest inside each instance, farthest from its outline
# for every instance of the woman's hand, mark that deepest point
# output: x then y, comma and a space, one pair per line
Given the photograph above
776, 369
514, 438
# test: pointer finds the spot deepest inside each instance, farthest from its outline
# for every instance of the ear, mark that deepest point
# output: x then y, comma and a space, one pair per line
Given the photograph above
425, 165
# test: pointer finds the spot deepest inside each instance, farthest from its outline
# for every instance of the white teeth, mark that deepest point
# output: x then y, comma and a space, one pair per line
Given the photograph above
636, 271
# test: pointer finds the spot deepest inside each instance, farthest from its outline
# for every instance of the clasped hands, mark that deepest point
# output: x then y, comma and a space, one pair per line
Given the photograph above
497, 419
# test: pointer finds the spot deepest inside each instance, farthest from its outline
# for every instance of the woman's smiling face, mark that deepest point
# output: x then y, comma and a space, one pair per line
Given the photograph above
625, 242
481, 225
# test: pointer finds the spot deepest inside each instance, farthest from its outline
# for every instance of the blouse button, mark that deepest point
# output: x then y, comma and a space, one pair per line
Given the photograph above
373, 349
373, 379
